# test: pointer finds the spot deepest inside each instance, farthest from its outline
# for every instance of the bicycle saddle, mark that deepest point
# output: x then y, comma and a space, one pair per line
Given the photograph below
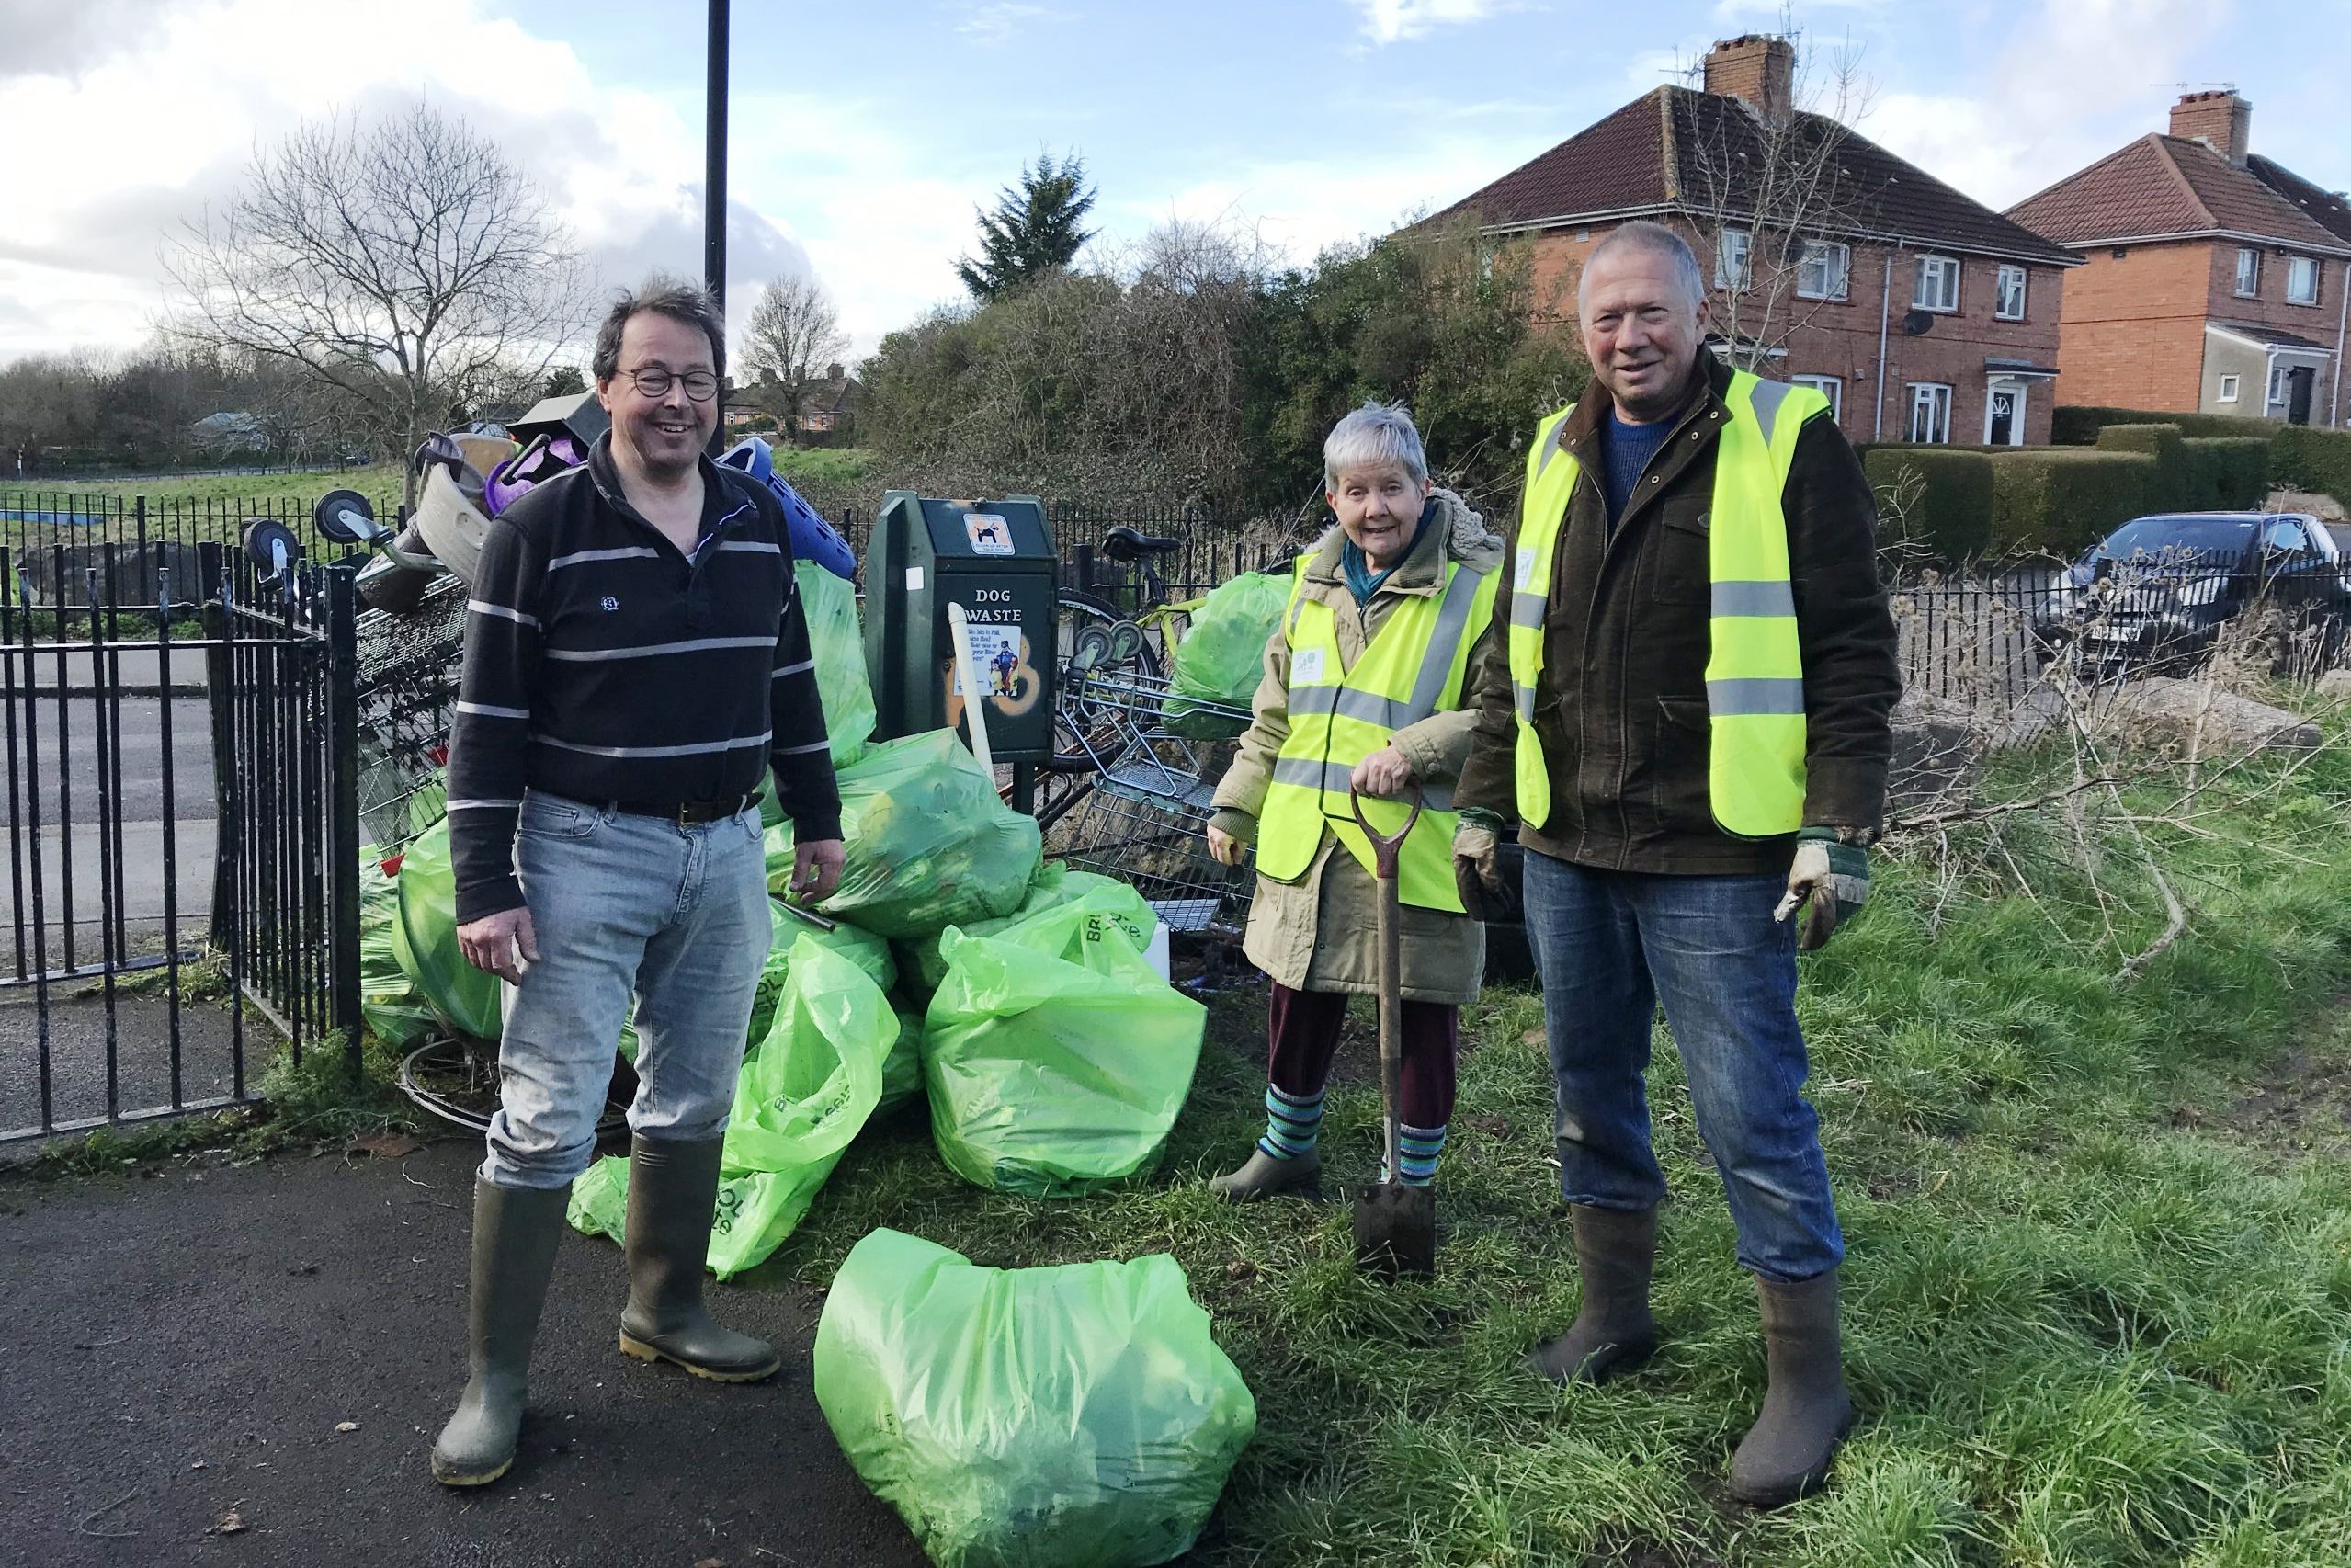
1124, 544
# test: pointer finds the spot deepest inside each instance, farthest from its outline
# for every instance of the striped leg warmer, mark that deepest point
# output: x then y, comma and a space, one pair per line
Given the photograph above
1293, 1123
1417, 1152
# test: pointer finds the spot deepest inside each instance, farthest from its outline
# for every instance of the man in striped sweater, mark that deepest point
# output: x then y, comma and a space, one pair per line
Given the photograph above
635, 661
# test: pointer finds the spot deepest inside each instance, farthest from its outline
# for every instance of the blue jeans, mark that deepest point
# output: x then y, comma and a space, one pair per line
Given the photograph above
1611, 945
626, 904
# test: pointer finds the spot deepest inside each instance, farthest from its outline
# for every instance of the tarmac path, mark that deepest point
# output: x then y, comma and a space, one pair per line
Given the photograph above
186, 1345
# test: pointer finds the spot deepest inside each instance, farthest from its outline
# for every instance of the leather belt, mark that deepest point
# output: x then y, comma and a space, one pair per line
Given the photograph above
689, 814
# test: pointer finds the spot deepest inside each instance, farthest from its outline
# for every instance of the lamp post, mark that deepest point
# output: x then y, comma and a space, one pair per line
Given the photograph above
714, 184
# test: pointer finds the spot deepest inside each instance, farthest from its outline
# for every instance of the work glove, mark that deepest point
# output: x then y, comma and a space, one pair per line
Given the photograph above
1831, 879
1475, 875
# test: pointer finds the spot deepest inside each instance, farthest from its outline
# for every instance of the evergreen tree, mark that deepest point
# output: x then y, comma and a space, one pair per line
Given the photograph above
1034, 228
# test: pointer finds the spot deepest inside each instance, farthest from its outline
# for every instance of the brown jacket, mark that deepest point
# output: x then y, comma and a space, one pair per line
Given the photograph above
1320, 932
1621, 707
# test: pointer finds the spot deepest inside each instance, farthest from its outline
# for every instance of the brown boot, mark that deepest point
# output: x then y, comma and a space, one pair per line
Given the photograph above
1806, 1411
1613, 1333
1264, 1175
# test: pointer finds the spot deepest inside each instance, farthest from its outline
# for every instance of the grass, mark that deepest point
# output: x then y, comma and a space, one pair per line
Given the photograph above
2095, 1316
374, 481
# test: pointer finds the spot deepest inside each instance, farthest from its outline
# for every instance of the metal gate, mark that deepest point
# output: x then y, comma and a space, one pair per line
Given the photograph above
183, 828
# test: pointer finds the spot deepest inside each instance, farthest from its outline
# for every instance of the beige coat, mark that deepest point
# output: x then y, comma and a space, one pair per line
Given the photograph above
1321, 933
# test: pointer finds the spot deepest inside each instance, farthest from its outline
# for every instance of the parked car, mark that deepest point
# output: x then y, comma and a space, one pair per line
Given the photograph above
2155, 593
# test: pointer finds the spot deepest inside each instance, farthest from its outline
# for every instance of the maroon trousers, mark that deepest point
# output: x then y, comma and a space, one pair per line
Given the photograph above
1303, 1034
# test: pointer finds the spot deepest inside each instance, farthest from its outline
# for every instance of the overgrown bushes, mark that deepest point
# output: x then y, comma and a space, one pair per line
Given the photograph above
2062, 499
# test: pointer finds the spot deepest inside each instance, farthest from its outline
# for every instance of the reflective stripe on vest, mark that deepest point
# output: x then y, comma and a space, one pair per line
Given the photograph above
1414, 666
1754, 670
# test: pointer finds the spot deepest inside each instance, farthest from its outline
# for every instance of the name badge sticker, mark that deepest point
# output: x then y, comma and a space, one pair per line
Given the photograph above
1306, 669
1523, 572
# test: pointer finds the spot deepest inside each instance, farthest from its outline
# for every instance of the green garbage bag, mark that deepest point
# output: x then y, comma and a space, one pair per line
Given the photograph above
837, 643
803, 1094
928, 842
388, 999
1223, 654
902, 1070
868, 951
1080, 1417
423, 940
1050, 1076
1071, 905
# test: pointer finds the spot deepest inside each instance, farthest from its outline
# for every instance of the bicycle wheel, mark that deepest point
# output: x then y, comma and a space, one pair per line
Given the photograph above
1085, 734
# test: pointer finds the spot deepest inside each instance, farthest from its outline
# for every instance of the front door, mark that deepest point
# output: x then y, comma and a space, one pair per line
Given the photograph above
2299, 383
2004, 417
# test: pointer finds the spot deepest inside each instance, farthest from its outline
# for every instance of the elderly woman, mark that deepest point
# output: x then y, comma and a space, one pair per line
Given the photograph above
1363, 688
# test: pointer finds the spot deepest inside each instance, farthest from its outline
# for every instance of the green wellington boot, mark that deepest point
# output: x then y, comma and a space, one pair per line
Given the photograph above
1613, 1333
1806, 1411
1264, 1175
672, 1187
515, 1232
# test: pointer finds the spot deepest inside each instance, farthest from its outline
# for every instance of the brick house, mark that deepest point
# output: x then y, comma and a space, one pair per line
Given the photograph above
2213, 281
1923, 315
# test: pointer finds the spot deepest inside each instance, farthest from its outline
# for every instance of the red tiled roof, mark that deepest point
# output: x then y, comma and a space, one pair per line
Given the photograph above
1676, 148
2163, 185
2325, 207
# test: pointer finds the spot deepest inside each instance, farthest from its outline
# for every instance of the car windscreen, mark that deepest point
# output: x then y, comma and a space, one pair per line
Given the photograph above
2175, 538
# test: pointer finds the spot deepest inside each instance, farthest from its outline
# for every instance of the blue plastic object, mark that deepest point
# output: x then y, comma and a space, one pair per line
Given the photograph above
814, 539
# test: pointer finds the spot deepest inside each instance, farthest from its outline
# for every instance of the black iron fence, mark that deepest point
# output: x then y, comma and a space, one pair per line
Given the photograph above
182, 825
1990, 634
56, 536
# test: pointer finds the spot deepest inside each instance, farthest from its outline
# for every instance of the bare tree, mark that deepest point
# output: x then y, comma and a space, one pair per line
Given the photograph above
1777, 192
399, 265
793, 334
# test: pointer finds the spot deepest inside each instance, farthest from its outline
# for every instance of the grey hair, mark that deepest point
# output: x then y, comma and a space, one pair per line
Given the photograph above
1375, 436
679, 300
1657, 240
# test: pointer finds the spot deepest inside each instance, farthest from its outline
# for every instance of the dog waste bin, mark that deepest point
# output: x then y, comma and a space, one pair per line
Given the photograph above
997, 559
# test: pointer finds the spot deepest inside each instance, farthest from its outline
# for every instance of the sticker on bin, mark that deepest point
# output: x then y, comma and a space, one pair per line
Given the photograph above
989, 533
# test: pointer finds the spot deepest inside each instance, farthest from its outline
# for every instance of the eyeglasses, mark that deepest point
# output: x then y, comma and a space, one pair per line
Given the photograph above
701, 385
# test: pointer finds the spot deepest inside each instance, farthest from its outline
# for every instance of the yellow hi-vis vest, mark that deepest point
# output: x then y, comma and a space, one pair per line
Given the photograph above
1414, 665
1755, 667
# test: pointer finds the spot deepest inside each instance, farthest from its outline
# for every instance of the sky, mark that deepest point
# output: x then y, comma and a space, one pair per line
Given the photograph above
864, 135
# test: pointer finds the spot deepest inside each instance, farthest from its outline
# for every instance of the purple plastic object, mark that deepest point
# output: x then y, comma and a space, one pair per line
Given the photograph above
542, 459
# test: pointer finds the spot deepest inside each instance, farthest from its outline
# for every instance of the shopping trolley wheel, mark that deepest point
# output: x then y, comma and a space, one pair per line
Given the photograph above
271, 546
344, 516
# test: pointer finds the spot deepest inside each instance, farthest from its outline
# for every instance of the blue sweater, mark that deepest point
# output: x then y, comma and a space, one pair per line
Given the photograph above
1625, 451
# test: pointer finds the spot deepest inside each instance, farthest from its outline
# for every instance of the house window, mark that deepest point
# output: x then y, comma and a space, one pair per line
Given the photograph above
1930, 413
1830, 387
2276, 387
1730, 270
2301, 280
2011, 306
2248, 272
1939, 284
2227, 389
1822, 274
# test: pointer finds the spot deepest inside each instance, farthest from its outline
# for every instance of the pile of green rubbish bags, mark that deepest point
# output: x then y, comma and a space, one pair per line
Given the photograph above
1039, 1417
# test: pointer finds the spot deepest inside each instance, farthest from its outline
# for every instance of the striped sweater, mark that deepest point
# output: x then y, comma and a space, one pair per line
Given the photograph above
604, 665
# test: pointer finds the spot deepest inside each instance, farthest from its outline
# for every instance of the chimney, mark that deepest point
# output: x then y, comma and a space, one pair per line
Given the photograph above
2220, 119
1758, 67
833, 371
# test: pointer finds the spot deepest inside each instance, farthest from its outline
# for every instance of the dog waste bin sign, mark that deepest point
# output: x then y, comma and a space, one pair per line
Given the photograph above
997, 559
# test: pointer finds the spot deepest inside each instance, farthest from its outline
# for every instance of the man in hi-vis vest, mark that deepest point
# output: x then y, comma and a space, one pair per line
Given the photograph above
1686, 710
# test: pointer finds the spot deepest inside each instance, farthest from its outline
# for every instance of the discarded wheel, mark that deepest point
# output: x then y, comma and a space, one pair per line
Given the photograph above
457, 1081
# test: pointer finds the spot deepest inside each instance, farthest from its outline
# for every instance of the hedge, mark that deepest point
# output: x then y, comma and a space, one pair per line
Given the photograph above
2304, 458
1933, 498
2064, 499
2078, 425
2235, 469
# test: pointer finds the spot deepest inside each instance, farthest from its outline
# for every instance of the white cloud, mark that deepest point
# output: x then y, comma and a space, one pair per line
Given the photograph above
1388, 21
2077, 79
79, 254
996, 24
